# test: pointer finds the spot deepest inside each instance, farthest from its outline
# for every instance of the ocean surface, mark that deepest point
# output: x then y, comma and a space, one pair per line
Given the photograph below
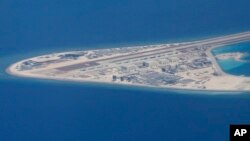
44, 110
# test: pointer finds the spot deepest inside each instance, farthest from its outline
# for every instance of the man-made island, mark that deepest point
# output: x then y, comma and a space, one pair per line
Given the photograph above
188, 65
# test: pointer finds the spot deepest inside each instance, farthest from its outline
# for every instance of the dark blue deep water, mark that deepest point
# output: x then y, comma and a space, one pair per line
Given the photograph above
41, 110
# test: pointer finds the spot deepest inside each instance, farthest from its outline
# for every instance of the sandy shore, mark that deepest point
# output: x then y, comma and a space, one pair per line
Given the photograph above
235, 55
217, 86
53, 68
177, 89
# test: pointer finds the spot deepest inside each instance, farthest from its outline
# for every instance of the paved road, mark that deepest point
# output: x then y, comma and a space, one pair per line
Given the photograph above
212, 42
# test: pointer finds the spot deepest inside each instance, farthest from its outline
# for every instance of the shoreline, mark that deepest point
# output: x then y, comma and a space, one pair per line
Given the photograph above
12, 71
237, 56
188, 90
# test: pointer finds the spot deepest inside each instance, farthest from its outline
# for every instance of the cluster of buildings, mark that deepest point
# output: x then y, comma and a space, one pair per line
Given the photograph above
161, 69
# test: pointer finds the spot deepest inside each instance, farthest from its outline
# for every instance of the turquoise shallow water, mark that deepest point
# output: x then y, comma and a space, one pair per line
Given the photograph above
33, 109
232, 66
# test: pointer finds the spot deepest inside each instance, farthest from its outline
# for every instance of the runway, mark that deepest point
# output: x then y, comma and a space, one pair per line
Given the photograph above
210, 43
